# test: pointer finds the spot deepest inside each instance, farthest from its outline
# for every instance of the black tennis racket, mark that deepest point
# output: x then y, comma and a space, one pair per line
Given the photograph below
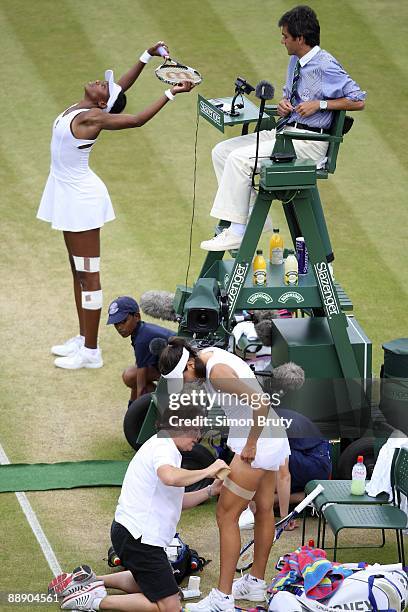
246, 555
173, 72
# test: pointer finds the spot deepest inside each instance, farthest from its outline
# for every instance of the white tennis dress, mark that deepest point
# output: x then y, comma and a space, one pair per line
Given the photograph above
74, 199
272, 447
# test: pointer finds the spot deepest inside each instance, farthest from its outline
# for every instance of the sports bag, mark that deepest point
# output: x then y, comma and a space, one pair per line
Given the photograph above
183, 559
368, 589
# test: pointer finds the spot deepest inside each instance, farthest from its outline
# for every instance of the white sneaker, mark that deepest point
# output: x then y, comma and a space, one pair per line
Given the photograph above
70, 346
80, 359
225, 241
249, 588
247, 519
214, 602
66, 584
85, 598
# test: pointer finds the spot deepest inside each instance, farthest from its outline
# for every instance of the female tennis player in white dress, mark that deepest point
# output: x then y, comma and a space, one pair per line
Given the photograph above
259, 453
76, 201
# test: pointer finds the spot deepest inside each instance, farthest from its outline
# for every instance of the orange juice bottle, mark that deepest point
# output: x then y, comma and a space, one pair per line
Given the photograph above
259, 267
276, 248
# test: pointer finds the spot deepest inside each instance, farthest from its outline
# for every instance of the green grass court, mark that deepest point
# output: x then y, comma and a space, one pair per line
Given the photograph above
49, 49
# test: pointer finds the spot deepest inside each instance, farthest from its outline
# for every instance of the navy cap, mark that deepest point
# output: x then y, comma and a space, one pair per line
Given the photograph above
120, 308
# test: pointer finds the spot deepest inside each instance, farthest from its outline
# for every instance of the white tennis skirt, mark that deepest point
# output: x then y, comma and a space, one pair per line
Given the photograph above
76, 206
271, 453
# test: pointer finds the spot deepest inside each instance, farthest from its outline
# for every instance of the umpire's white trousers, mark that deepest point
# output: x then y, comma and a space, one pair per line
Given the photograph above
233, 161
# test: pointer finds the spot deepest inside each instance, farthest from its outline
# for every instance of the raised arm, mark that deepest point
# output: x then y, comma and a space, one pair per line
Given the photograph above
89, 124
126, 81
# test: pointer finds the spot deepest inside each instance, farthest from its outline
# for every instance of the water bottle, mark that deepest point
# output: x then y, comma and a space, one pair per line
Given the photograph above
276, 248
291, 269
358, 477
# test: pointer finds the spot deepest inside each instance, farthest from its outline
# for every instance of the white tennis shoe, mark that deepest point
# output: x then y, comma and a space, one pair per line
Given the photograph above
214, 602
85, 598
81, 359
246, 520
68, 583
249, 588
69, 347
225, 241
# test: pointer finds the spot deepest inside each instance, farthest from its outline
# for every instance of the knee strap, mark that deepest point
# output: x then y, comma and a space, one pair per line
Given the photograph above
86, 264
92, 300
237, 490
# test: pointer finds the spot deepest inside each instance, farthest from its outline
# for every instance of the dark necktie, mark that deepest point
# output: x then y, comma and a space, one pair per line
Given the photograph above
296, 74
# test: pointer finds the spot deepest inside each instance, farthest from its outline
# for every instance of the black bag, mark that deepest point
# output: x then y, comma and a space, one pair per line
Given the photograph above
183, 559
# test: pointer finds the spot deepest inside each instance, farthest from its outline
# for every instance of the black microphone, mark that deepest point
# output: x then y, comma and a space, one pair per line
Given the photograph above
264, 91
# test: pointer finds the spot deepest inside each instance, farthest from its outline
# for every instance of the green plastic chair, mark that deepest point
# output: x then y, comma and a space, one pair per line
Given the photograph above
337, 492
369, 516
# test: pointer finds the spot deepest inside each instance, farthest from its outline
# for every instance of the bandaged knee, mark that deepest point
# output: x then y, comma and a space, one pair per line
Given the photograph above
237, 490
92, 300
87, 264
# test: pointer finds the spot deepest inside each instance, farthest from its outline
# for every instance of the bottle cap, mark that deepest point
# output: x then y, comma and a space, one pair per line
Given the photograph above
311, 543
300, 238
360, 459
259, 252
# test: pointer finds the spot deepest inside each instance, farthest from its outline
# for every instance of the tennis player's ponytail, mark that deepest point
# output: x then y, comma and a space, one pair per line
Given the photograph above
172, 353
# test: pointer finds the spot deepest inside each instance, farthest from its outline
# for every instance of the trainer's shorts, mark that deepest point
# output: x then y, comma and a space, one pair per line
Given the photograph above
149, 565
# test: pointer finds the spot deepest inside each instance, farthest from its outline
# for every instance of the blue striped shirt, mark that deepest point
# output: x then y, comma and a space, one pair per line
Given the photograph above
321, 78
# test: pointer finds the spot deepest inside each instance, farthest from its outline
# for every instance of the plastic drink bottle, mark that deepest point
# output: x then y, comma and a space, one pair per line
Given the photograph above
291, 270
276, 248
302, 255
259, 267
358, 477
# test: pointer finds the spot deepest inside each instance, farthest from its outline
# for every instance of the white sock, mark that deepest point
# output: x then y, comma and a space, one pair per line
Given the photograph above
238, 228
91, 351
250, 577
223, 595
82, 338
96, 603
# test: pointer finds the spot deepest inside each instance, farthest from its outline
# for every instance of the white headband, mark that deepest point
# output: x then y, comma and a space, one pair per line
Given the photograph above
114, 90
175, 378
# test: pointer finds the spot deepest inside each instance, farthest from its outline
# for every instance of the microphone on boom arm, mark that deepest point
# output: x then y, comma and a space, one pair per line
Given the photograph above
264, 91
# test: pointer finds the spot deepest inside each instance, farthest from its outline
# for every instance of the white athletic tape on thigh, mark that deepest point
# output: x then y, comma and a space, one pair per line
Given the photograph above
87, 264
237, 490
92, 300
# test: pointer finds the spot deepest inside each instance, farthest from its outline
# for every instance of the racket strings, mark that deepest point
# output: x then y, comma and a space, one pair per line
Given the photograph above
194, 197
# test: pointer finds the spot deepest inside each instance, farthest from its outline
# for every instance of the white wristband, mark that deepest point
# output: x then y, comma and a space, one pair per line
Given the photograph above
169, 95
145, 57
209, 492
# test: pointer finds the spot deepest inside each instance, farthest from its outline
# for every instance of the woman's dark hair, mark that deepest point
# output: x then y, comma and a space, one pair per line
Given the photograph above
119, 105
302, 21
171, 355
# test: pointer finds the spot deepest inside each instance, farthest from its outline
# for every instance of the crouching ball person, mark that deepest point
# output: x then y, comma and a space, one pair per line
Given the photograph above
76, 201
259, 449
146, 518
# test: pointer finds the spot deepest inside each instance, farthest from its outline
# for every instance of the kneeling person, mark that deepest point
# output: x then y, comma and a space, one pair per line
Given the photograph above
146, 518
124, 314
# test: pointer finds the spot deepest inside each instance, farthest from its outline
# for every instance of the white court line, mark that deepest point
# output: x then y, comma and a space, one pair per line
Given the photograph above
34, 524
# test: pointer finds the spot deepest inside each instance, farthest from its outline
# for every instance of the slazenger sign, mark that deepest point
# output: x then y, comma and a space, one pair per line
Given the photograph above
236, 283
291, 295
210, 112
255, 297
326, 287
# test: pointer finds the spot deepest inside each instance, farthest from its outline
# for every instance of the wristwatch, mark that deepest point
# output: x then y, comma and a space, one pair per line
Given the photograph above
323, 105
